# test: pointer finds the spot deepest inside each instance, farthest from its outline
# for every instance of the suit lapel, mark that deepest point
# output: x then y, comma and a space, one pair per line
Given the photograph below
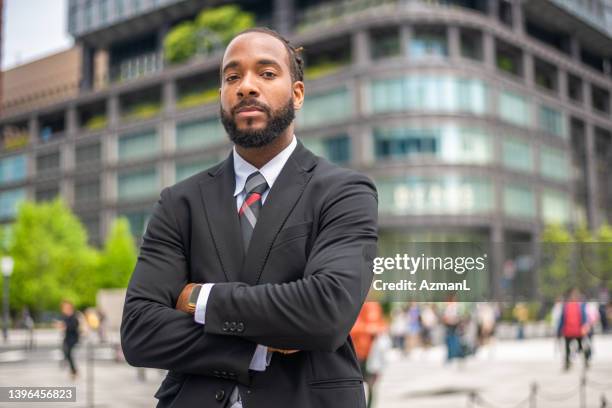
220, 205
281, 199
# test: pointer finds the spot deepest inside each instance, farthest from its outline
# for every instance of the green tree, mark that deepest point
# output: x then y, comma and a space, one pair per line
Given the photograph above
555, 275
181, 42
52, 258
118, 257
212, 29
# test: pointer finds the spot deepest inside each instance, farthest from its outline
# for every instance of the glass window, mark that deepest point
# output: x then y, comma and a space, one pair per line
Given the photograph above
138, 221
324, 108
202, 133
551, 120
47, 193
519, 201
86, 190
429, 93
138, 145
188, 169
554, 163
48, 162
137, 184
555, 207
384, 44
428, 42
449, 143
9, 201
471, 44
336, 148
87, 154
416, 195
13, 168
517, 154
514, 108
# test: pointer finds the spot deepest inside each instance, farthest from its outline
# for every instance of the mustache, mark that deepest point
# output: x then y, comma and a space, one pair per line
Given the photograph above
251, 102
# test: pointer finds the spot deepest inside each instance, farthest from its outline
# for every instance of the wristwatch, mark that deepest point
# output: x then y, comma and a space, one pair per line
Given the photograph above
193, 298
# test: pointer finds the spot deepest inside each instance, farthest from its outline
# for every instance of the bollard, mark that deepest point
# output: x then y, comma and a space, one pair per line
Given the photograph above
604, 402
533, 393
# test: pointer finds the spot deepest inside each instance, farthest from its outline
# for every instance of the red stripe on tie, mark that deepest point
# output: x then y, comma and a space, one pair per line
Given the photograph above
250, 200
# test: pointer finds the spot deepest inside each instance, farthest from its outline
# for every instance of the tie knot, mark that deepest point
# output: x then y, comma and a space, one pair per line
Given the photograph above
256, 183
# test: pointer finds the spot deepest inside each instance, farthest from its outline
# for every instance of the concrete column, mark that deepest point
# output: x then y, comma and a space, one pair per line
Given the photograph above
71, 119
33, 129
87, 64
454, 42
284, 15
362, 145
497, 239
591, 177
528, 69
360, 45
562, 84
518, 19
112, 111
574, 46
405, 39
488, 43
169, 97
586, 95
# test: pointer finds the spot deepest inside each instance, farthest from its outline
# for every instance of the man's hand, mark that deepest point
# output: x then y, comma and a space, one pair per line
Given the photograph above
183, 299
282, 351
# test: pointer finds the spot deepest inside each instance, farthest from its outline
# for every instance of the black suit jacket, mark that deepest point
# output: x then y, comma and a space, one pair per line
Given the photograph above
300, 286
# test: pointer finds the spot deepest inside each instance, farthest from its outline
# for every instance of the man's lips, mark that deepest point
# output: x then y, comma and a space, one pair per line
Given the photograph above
249, 111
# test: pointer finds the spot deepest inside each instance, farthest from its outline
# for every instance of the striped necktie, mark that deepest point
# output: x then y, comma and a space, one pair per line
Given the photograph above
249, 211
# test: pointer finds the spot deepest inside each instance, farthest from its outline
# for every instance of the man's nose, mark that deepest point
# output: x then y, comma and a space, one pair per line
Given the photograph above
247, 86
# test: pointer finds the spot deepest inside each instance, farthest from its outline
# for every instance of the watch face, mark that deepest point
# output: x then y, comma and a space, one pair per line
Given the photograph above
193, 296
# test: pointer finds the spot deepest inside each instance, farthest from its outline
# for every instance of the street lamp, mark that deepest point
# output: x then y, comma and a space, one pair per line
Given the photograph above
6, 265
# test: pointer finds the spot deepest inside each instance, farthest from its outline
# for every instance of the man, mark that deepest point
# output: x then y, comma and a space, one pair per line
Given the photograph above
574, 327
266, 257
69, 323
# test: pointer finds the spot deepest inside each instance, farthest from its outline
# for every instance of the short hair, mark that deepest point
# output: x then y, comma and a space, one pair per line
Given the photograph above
296, 62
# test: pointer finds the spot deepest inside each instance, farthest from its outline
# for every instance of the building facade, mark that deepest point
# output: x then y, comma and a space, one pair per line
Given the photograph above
478, 120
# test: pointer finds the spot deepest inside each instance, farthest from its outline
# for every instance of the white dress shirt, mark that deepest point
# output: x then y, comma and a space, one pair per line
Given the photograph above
242, 170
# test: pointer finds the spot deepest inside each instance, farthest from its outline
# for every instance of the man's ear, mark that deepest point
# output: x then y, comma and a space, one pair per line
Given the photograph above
298, 95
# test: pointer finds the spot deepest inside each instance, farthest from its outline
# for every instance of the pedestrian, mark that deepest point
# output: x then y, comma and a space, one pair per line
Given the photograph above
28, 325
369, 325
574, 326
69, 323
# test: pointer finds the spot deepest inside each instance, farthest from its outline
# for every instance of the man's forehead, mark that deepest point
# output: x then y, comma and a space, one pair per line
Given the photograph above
255, 45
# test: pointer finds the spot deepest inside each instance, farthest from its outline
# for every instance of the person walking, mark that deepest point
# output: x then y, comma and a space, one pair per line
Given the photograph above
70, 326
574, 327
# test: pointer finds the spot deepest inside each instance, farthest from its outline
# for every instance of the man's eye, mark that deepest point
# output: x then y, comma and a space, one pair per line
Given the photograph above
231, 78
269, 74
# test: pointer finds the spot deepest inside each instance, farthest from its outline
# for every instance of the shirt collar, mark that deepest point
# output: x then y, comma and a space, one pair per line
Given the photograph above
270, 170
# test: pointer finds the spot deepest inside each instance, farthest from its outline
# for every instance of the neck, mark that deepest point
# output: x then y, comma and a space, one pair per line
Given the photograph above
259, 156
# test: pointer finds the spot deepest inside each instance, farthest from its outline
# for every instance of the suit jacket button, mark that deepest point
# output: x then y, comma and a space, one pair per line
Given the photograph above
225, 326
240, 327
233, 326
219, 395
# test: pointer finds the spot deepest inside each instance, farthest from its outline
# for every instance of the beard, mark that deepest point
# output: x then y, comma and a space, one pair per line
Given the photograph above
278, 121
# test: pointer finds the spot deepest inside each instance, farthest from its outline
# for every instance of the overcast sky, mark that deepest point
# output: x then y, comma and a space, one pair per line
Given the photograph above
33, 29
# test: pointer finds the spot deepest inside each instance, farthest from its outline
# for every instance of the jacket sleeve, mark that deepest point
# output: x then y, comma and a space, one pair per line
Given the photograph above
153, 333
317, 311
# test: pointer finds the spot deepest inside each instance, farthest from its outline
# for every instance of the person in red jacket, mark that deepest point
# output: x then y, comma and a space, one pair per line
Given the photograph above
369, 324
574, 326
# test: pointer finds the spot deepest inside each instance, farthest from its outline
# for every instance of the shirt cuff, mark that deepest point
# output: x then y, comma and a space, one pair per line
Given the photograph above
200, 310
260, 359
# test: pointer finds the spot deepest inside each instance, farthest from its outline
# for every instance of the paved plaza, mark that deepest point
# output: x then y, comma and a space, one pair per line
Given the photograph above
501, 376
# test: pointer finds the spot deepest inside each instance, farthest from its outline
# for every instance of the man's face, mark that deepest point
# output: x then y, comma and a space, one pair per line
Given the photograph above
258, 96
